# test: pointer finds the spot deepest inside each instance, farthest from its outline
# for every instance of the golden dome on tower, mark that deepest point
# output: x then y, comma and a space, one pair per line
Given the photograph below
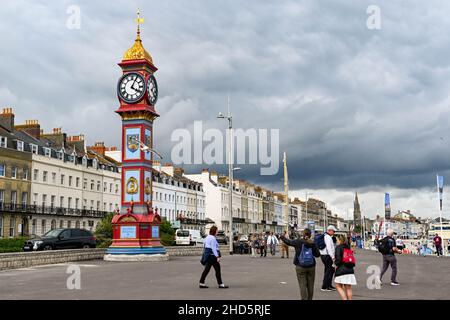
137, 51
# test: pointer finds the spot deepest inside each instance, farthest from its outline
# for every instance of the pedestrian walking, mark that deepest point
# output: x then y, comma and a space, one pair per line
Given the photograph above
272, 243
263, 246
437, 240
253, 244
211, 258
388, 249
424, 246
327, 254
345, 264
284, 246
304, 261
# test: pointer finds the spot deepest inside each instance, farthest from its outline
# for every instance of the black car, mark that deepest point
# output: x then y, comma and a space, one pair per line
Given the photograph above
62, 239
221, 237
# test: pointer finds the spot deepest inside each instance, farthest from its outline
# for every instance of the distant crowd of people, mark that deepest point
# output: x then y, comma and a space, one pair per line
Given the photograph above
334, 251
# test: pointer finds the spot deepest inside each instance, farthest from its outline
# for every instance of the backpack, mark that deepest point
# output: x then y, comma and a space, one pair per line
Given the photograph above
383, 246
348, 258
319, 240
306, 258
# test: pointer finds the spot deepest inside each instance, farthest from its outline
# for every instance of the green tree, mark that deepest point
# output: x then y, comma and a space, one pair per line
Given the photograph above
104, 231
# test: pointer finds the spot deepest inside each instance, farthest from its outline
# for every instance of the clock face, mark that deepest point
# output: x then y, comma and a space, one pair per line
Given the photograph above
152, 88
131, 87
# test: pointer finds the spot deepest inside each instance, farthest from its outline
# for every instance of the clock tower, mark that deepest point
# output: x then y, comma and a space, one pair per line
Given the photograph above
136, 228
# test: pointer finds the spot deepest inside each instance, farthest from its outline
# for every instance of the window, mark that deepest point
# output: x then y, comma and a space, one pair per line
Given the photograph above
92, 184
52, 201
54, 177
24, 199
3, 142
1, 227
53, 224
77, 182
117, 189
33, 226
98, 205
19, 145
84, 183
44, 200
44, 176
62, 179
43, 226
110, 187
14, 172
13, 199
98, 185
61, 202
2, 198
35, 174
34, 148
104, 206
69, 202
92, 204
77, 225
61, 224
70, 181
84, 224
35, 197
12, 226
84, 204
110, 207
48, 152
69, 224
77, 203
25, 174
105, 186
2, 170
60, 155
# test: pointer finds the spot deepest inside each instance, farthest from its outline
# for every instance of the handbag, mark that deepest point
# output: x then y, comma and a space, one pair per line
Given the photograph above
205, 256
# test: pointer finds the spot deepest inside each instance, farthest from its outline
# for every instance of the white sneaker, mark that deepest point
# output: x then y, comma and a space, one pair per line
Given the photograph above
395, 283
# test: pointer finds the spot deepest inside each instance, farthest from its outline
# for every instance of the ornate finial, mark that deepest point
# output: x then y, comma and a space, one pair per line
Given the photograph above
137, 51
138, 21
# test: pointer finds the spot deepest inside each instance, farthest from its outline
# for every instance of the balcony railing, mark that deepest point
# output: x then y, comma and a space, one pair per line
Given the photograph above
50, 210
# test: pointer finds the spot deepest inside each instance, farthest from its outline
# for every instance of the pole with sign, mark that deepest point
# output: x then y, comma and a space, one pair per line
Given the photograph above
440, 187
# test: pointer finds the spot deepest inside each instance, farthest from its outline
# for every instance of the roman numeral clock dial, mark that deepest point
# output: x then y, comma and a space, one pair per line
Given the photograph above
131, 87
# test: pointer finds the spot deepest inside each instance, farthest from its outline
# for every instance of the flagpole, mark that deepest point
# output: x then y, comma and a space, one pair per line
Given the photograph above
440, 195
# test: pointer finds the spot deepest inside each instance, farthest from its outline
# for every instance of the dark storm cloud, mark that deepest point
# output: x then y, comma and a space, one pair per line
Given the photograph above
355, 107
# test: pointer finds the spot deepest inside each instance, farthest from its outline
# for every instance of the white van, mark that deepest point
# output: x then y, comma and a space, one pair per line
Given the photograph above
188, 237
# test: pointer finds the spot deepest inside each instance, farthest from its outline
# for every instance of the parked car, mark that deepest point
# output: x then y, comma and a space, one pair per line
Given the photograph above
188, 237
221, 237
62, 239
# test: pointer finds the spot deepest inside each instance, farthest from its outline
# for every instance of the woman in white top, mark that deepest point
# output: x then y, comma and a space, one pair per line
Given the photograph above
212, 253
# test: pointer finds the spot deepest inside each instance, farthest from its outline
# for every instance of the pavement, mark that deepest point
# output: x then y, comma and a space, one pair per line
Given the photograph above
270, 278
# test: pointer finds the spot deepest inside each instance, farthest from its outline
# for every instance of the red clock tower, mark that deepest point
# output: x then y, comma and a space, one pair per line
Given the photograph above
136, 232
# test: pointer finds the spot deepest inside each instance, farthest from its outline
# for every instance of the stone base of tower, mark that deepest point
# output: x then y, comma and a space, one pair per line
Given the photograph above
136, 257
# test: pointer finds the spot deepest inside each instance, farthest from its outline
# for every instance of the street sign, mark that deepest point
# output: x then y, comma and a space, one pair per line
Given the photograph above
176, 224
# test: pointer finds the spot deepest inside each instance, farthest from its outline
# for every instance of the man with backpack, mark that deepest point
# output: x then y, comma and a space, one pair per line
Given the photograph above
325, 244
388, 248
305, 263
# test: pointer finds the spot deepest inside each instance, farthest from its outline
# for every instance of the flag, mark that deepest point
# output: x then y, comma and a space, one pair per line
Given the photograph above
387, 206
440, 187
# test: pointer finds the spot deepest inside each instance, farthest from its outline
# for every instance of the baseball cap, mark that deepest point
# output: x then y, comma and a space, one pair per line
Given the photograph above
331, 227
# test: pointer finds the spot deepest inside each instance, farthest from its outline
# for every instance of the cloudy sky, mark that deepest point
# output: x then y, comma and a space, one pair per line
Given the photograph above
357, 109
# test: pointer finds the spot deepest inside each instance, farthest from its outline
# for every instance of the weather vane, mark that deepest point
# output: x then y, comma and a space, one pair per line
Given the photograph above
139, 20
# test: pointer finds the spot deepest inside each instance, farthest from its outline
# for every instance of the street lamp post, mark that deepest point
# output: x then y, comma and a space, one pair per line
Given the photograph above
230, 170
306, 205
